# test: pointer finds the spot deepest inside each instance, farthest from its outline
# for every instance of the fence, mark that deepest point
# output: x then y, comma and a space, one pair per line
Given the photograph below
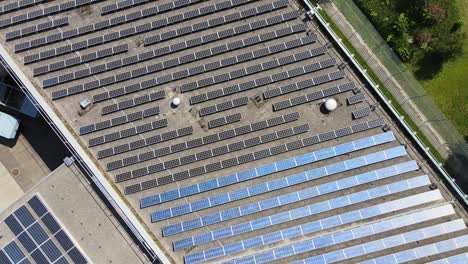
400, 82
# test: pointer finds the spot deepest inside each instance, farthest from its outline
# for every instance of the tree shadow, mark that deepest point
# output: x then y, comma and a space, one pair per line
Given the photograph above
457, 165
430, 65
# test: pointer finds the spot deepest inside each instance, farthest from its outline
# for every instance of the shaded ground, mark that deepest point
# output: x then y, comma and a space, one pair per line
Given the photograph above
40, 137
449, 87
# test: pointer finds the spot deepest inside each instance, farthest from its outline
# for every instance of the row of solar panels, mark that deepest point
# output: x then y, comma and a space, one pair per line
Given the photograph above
191, 57
354, 99
125, 76
30, 30
231, 133
363, 233
203, 141
217, 22
105, 10
101, 40
252, 173
303, 99
256, 68
224, 106
156, 139
293, 87
127, 132
219, 151
144, 99
119, 120
426, 251
360, 113
286, 182
44, 12
17, 5
285, 217
225, 120
337, 221
248, 85
181, 60
80, 59
269, 169
88, 29
35, 239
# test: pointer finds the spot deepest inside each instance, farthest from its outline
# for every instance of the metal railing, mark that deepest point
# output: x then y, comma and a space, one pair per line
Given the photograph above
401, 83
314, 14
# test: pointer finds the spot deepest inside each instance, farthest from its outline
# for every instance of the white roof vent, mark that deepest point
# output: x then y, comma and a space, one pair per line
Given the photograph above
330, 104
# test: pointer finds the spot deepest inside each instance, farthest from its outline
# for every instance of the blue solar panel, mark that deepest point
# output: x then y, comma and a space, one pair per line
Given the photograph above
51, 250
312, 227
13, 224
272, 168
51, 223
39, 257
4, 258
27, 242
24, 216
289, 199
37, 233
286, 182
64, 240
62, 260
37, 206
426, 251
14, 252
25, 261
76, 256
365, 248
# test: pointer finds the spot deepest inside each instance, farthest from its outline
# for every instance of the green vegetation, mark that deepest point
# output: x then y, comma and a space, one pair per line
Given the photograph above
425, 33
430, 36
449, 87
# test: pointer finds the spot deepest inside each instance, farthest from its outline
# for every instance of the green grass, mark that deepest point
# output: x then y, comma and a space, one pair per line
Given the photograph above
449, 88
382, 87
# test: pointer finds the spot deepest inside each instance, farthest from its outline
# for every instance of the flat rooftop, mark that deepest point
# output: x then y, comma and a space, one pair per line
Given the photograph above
250, 166
48, 225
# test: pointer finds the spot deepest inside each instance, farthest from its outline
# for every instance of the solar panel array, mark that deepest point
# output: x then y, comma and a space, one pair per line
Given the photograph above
30, 30
291, 181
226, 120
254, 173
74, 61
303, 99
356, 233
331, 222
312, 209
206, 154
224, 106
259, 180
245, 210
265, 81
119, 120
426, 251
32, 241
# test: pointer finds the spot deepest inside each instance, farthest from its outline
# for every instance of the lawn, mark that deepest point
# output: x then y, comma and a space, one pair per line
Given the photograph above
449, 88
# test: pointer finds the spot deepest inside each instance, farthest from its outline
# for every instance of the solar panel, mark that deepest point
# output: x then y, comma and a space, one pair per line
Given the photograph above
51, 250
51, 223
76, 256
13, 224
27, 242
360, 113
38, 207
